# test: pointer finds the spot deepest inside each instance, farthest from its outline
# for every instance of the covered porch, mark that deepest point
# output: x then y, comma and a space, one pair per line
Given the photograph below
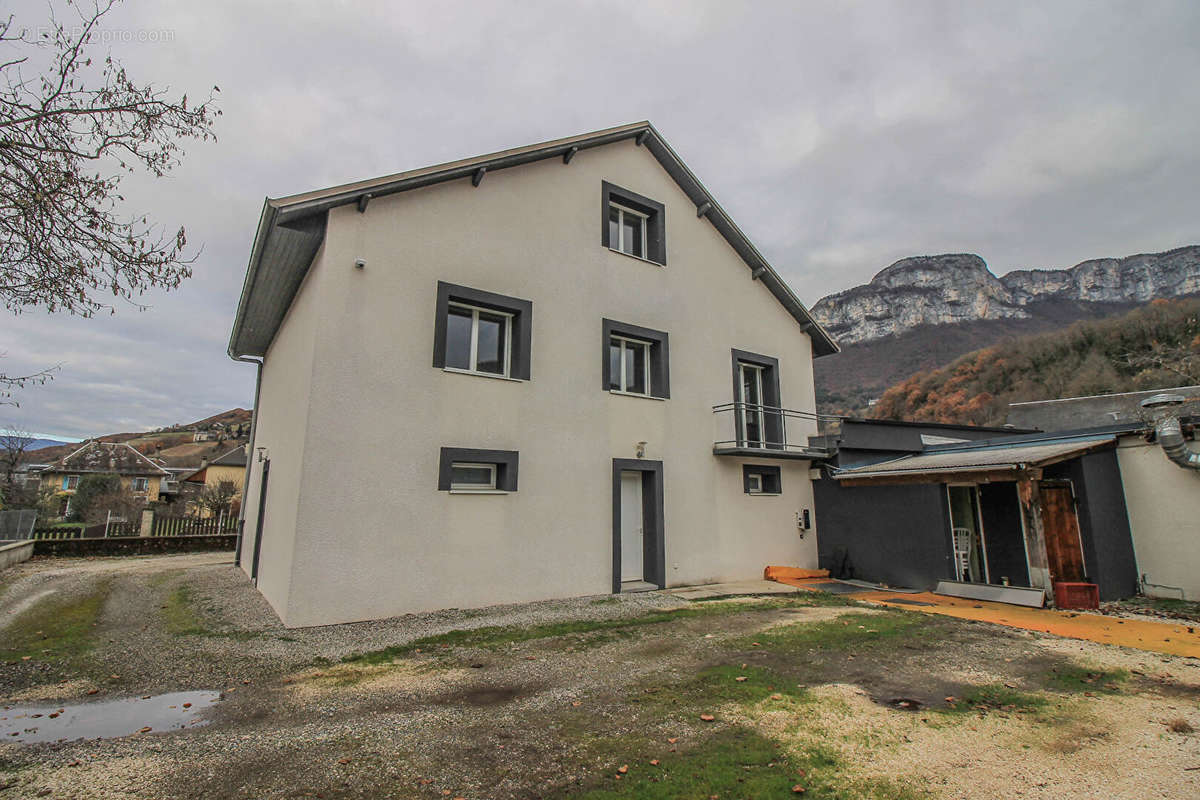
1009, 513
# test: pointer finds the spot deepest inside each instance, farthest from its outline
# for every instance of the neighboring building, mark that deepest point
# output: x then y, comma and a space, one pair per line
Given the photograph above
139, 475
913, 504
230, 466
1073, 413
437, 427
1161, 495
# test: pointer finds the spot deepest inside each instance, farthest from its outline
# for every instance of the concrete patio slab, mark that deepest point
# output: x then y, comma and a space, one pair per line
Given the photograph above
735, 589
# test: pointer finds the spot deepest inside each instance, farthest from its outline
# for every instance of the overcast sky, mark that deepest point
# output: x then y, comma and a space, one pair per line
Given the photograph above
841, 137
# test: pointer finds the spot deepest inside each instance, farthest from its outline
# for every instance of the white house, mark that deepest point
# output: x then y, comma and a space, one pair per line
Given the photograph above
552, 371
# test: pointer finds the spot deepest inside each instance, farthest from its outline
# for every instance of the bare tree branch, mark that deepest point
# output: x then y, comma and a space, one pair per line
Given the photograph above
73, 123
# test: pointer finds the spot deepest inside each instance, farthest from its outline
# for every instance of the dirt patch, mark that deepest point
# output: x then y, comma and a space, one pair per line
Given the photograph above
550, 700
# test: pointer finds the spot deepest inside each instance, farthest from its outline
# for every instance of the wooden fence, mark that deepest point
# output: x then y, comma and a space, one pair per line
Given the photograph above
192, 526
163, 526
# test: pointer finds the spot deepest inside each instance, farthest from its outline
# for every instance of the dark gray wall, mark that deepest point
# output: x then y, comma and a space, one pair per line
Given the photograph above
1103, 522
1001, 512
897, 535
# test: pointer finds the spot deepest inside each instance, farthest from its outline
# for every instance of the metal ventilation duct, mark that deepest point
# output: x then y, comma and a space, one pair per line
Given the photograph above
1168, 430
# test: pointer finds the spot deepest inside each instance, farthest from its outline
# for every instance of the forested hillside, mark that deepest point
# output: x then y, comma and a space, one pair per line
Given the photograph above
1152, 347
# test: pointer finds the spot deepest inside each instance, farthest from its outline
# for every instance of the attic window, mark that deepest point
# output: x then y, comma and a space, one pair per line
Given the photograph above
633, 224
70, 482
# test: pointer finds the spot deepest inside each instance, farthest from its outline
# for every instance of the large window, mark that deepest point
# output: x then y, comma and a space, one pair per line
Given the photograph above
140, 484
482, 332
467, 469
633, 224
756, 397
636, 360
478, 340
70, 482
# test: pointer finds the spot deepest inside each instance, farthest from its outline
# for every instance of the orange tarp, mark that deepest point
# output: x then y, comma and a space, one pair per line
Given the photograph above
779, 574
1173, 638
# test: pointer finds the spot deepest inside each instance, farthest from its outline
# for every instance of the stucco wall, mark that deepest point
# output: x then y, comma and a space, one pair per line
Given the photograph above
898, 535
374, 538
1163, 501
282, 426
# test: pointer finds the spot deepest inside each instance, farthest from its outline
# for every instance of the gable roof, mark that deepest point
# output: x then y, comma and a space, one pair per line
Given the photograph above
234, 458
291, 229
106, 457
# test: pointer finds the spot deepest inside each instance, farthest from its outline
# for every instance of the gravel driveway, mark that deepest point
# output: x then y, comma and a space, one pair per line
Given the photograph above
550, 699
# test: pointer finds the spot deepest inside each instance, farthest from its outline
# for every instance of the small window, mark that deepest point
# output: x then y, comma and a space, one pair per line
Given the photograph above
636, 360
464, 469
468, 477
140, 484
633, 224
761, 479
629, 365
627, 230
477, 340
481, 332
70, 482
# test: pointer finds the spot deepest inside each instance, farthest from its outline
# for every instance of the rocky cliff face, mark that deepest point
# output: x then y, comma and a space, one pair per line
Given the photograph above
937, 290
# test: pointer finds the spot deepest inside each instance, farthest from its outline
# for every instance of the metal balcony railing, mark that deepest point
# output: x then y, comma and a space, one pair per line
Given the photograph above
749, 429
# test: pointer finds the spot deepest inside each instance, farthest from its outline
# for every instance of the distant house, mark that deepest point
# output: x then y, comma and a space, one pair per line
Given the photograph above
139, 475
230, 466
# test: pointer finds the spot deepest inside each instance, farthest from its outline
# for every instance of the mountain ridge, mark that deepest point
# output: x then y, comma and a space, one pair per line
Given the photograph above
958, 287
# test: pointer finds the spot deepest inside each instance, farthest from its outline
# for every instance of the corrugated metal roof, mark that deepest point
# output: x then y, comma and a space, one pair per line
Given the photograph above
984, 459
291, 229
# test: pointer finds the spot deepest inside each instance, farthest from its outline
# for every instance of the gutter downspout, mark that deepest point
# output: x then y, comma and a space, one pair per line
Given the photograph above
1169, 432
258, 363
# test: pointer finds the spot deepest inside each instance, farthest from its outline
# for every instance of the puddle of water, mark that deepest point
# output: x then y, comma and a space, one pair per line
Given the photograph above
105, 720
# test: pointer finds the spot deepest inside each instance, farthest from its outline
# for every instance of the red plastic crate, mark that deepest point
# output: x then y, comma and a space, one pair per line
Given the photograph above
1076, 595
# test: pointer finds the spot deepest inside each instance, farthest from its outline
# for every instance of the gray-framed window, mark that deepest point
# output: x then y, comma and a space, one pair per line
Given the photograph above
633, 224
756, 395
761, 479
635, 360
481, 332
469, 469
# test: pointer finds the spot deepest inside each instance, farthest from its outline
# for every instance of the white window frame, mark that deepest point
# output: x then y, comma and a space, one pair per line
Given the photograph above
71, 483
754, 483
625, 341
135, 487
757, 413
620, 243
473, 487
474, 347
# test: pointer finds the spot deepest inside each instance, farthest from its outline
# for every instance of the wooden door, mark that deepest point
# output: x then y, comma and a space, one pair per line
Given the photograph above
1064, 549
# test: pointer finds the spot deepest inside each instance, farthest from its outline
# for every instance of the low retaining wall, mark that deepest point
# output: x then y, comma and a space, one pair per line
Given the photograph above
133, 545
14, 553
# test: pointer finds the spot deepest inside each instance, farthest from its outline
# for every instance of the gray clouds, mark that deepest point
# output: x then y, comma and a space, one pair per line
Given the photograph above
841, 136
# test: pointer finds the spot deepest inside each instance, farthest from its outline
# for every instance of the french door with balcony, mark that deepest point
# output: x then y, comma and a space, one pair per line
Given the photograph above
751, 424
